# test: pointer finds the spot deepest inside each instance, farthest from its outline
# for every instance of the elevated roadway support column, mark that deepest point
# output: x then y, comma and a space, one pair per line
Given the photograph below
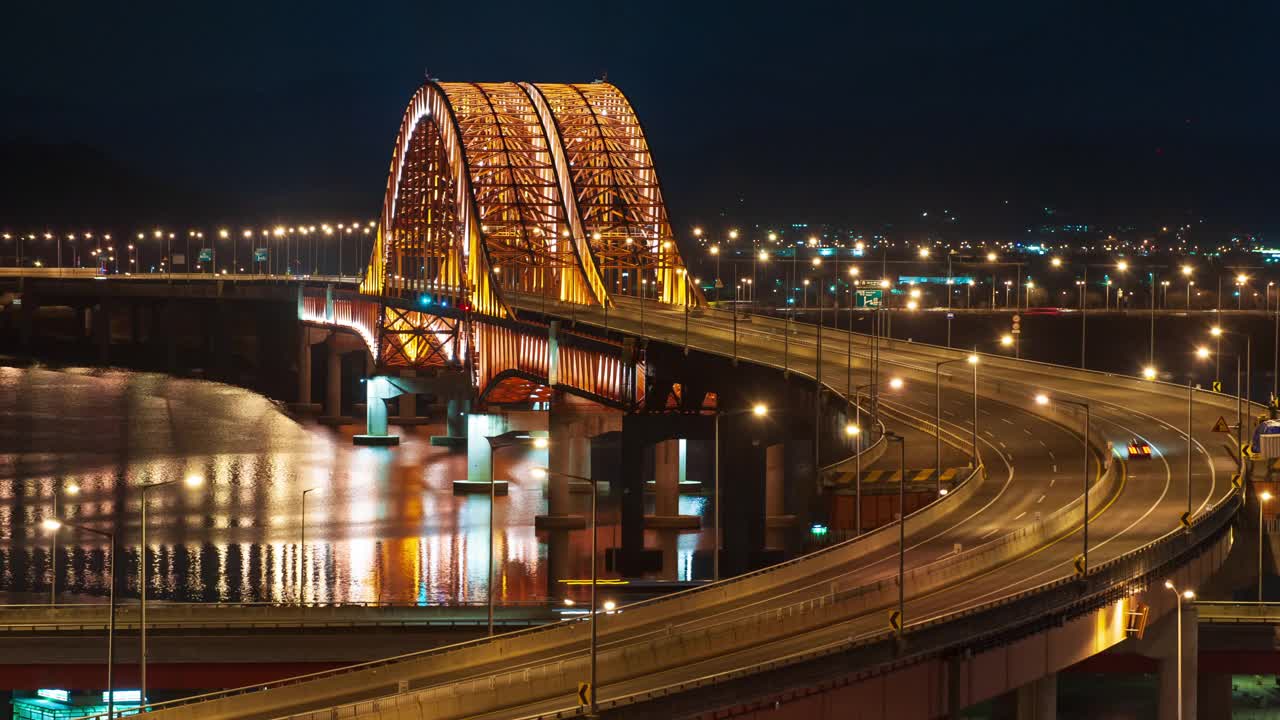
1213, 696
332, 379
408, 403
101, 319
381, 388
455, 423
777, 522
305, 341
1038, 700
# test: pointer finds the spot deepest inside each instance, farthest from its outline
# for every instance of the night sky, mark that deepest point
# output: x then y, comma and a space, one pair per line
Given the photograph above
781, 112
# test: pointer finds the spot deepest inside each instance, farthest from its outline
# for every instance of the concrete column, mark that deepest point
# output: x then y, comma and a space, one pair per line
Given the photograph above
666, 478
377, 389
1213, 696
333, 379
27, 321
1038, 700
170, 331
1169, 668
304, 365
102, 331
408, 401
135, 323
479, 427
455, 422
775, 496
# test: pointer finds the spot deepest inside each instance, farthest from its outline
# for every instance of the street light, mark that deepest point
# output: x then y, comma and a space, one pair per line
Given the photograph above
53, 525
543, 473
1043, 399
902, 528
192, 481
1188, 595
497, 442
1217, 332
758, 410
1149, 373
302, 549
972, 359
1262, 500
894, 383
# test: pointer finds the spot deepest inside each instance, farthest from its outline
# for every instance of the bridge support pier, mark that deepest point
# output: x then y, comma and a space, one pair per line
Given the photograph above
1038, 700
332, 379
101, 319
455, 422
777, 521
1213, 696
304, 403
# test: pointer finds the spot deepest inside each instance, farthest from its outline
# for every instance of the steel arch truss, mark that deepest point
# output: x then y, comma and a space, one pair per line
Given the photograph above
616, 193
539, 189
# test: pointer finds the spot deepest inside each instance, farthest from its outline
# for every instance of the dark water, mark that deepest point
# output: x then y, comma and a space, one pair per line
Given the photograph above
381, 525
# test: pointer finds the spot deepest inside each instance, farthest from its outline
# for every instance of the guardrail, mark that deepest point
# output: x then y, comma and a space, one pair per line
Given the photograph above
1238, 613
162, 616
617, 664
1013, 617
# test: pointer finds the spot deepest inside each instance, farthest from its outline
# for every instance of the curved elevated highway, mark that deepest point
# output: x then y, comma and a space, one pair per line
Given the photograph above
1018, 525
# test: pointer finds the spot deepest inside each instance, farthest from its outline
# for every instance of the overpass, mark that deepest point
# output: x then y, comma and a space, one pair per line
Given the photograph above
523, 234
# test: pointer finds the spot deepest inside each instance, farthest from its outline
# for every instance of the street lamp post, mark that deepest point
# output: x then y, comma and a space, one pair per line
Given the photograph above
1217, 332
902, 528
758, 410
972, 359
191, 480
302, 550
1262, 500
1189, 595
540, 473
1043, 399
53, 525
497, 442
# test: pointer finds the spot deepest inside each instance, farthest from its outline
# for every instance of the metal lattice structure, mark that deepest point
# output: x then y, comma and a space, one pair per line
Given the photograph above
506, 191
544, 189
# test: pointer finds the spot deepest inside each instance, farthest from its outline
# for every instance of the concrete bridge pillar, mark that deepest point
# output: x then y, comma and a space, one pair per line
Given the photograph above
480, 427
775, 497
1038, 700
667, 472
304, 366
27, 320
102, 331
455, 421
1213, 696
408, 402
333, 378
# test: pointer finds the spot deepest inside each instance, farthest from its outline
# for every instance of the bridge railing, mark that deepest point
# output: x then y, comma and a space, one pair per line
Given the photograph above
997, 622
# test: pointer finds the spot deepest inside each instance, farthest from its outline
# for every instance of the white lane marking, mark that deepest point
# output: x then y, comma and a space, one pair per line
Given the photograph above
1055, 467
1007, 420
1040, 500
1019, 515
1052, 481
1025, 430
1006, 447
1051, 457
1042, 444
989, 533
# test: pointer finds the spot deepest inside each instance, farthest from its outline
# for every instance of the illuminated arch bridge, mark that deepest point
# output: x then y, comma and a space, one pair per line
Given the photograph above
499, 192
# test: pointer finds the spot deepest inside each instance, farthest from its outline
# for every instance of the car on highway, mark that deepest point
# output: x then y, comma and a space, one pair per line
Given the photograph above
1139, 449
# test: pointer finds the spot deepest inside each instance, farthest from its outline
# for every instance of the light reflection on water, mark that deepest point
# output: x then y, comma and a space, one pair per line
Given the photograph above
382, 525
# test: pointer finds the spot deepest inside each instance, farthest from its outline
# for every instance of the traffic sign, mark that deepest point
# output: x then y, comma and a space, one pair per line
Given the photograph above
206, 254
1221, 426
260, 255
1237, 482
869, 298
1217, 386
584, 693
1079, 564
1185, 519
1016, 329
895, 621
